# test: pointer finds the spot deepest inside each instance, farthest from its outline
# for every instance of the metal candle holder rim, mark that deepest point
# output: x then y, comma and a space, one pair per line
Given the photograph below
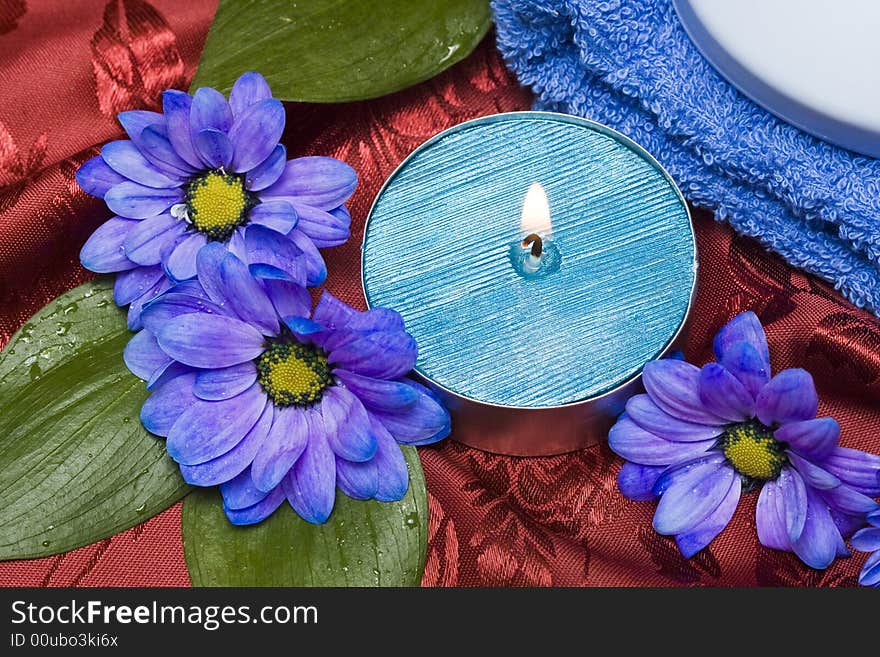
566, 118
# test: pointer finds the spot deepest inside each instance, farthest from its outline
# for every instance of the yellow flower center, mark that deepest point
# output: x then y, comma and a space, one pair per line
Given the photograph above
217, 203
293, 374
753, 451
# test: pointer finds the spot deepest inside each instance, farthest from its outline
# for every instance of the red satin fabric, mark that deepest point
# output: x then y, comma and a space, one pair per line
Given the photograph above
67, 68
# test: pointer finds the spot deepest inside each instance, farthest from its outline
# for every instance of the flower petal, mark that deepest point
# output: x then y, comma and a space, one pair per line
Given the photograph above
191, 288
167, 403
143, 356
134, 310
174, 304
266, 246
846, 500
280, 216
322, 182
209, 111
700, 536
790, 396
288, 298
691, 495
744, 328
135, 201
813, 475
316, 269
359, 481
705, 463
376, 319
846, 523
131, 284
249, 88
325, 229
165, 374
793, 494
772, 531
236, 246
310, 486
815, 439
381, 355
333, 313
152, 237
176, 106
866, 540
283, 445
134, 122
636, 482
632, 442
212, 341
674, 386
255, 133
258, 512
181, 262
208, 429
870, 573
817, 545
240, 492
103, 252
390, 464
347, 425
378, 394
95, 177
126, 159
267, 171
246, 297
213, 148
723, 394
747, 365
229, 465
156, 147
208, 264
857, 469
653, 419
423, 423
265, 272
214, 385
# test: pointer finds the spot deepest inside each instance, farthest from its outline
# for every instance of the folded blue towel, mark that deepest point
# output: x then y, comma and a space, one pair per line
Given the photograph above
630, 65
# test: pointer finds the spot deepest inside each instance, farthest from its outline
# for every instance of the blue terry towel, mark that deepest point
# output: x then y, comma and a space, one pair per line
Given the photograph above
630, 65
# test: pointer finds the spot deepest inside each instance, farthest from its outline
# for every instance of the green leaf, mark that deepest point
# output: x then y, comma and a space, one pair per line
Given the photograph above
76, 465
362, 544
339, 50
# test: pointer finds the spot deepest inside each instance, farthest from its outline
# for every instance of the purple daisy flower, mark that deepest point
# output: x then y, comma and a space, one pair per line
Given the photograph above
868, 540
253, 395
701, 437
206, 170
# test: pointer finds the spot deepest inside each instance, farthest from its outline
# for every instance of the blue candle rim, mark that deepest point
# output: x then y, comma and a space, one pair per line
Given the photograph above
533, 115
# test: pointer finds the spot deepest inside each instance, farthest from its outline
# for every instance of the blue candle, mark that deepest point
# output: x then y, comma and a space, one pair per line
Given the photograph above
540, 260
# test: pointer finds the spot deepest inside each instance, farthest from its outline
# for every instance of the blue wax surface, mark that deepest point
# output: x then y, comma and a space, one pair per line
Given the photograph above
437, 250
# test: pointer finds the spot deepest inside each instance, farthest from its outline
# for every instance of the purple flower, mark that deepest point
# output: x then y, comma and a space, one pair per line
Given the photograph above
868, 540
207, 170
701, 437
255, 396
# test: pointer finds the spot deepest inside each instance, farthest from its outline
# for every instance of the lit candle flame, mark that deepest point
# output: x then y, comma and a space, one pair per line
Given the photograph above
536, 211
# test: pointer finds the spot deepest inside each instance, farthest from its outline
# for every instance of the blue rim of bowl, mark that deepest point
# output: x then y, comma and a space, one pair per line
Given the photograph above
804, 117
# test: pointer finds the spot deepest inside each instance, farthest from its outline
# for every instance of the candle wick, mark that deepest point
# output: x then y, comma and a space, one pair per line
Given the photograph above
536, 242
